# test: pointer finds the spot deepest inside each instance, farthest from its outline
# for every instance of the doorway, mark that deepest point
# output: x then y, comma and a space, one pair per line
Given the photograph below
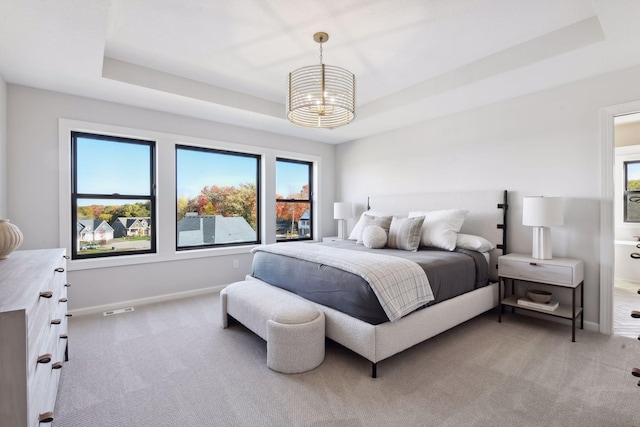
626, 181
607, 115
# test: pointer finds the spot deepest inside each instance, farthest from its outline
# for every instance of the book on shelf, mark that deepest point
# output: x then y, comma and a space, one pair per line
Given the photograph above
547, 306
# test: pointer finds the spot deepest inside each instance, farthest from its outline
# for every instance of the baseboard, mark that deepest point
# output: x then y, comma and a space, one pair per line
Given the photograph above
142, 301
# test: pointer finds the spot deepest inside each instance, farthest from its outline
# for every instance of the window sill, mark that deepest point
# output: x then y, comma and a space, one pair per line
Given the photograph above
119, 261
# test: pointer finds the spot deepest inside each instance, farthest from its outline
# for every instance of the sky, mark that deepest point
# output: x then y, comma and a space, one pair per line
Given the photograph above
633, 171
107, 167
197, 169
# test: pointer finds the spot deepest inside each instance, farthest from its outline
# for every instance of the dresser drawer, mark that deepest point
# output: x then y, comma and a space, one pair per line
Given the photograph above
536, 272
39, 391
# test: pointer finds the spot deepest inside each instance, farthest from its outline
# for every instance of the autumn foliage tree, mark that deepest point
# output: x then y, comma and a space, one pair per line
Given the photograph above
224, 201
110, 213
290, 209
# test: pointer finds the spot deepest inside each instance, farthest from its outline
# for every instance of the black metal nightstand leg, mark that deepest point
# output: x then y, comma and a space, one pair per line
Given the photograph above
573, 315
582, 305
500, 300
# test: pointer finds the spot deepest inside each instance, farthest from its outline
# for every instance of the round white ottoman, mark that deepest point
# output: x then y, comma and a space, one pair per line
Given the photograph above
292, 326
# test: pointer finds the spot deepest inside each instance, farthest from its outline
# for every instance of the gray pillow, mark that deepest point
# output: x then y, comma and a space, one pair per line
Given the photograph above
382, 221
404, 233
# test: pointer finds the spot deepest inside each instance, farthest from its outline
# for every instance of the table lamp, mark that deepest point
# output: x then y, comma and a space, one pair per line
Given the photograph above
542, 212
342, 211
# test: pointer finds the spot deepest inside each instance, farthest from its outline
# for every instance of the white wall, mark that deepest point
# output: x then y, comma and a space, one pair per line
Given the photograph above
33, 193
547, 143
3, 148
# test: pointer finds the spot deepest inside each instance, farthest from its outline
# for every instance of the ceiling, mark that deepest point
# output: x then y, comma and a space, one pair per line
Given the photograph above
227, 61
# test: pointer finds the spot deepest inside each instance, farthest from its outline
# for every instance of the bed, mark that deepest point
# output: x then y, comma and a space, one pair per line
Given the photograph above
461, 282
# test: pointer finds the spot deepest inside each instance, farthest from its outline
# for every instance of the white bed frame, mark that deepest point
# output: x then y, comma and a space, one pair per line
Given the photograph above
486, 218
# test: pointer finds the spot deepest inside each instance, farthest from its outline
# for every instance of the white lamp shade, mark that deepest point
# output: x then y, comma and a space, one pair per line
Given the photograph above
342, 210
540, 211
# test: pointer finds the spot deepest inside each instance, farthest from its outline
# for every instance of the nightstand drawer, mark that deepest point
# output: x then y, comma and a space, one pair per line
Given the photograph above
332, 239
536, 272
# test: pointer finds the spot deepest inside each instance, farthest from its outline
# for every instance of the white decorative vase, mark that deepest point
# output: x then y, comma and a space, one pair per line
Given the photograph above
10, 238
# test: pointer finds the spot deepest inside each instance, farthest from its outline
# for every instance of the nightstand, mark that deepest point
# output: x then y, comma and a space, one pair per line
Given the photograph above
332, 239
558, 272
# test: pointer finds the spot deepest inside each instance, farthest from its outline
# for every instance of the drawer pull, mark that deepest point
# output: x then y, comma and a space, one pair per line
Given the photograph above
56, 321
45, 358
635, 255
47, 417
68, 315
66, 256
63, 300
60, 270
46, 294
67, 285
64, 336
635, 314
533, 263
56, 365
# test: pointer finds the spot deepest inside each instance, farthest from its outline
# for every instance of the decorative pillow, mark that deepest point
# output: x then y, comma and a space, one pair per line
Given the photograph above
356, 233
367, 220
473, 243
374, 237
404, 233
440, 228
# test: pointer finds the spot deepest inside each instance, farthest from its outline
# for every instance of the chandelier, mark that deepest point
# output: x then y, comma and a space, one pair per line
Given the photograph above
321, 96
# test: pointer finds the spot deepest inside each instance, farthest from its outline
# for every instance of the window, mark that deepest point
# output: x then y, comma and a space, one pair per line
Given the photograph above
217, 198
632, 191
294, 213
112, 196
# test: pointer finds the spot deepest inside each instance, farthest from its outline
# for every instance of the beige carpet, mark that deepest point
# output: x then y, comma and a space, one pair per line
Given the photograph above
171, 364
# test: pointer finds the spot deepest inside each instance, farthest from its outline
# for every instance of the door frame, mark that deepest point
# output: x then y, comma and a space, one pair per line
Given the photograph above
607, 254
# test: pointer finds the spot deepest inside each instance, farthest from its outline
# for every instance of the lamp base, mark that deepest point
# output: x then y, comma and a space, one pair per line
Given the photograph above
541, 243
342, 229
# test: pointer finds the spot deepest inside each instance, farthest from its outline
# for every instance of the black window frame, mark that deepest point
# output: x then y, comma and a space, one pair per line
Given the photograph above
75, 254
258, 159
630, 196
309, 201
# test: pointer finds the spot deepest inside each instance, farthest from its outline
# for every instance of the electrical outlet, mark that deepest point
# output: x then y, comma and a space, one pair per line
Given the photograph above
235, 263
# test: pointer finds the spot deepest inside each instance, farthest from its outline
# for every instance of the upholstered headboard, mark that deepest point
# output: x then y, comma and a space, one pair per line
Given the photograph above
487, 215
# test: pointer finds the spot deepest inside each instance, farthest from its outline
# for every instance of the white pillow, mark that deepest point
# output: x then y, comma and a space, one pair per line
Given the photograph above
374, 237
440, 228
356, 233
473, 243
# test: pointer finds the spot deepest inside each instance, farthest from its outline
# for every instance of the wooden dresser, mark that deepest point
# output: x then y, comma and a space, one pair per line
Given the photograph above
33, 335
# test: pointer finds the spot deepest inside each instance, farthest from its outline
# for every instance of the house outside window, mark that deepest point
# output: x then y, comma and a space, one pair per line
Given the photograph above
217, 198
294, 208
632, 191
112, 185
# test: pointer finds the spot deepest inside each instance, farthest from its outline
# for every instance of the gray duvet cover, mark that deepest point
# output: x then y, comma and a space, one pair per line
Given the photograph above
450, 274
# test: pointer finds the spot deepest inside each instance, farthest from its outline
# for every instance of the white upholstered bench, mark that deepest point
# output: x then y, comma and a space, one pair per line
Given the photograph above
292, 327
